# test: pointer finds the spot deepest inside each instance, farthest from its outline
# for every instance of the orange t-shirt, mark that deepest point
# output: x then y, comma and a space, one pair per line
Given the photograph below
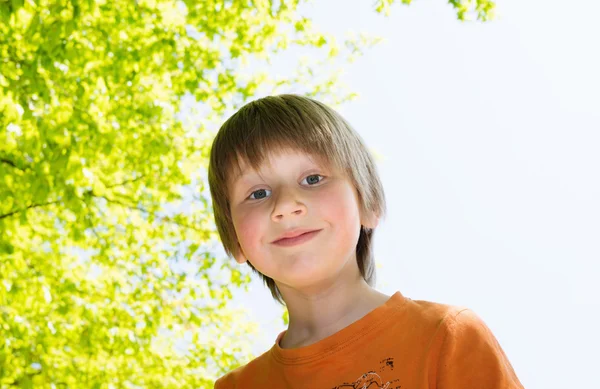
401, 344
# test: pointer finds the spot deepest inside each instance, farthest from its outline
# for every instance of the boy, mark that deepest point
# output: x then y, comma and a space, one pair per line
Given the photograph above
296, 196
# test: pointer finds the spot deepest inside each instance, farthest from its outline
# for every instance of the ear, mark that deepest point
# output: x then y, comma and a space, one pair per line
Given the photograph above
239, 255
370, 220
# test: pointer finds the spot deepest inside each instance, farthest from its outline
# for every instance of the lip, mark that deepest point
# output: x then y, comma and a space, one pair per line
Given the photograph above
294, 237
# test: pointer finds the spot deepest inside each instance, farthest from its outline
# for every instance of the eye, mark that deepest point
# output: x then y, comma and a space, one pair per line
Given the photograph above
264, 193
313, 179
259, 194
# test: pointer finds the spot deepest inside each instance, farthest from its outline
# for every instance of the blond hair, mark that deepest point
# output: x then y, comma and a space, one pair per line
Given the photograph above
300, 123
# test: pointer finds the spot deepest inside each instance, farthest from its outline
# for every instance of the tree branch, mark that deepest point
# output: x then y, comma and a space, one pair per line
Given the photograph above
133, 207
125, 182
11, 163
27, 208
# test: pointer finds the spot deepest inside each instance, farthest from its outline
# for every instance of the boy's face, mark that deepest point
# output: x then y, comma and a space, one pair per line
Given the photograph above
291, 194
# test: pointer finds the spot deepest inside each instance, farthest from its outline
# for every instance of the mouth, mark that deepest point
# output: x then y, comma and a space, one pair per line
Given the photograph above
296, 240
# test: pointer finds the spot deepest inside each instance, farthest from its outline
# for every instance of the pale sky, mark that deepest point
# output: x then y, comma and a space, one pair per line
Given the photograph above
490, 137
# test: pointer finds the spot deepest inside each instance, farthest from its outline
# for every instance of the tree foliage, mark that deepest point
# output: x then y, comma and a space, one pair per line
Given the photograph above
483, 10
108, 273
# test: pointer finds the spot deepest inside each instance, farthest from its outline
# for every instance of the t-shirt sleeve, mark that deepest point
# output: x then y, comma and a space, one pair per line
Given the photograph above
471, 357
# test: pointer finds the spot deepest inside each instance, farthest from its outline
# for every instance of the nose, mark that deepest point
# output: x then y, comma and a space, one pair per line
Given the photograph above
287, 204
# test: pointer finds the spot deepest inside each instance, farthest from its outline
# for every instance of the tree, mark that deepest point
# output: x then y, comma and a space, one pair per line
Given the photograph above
483, 10
108, 273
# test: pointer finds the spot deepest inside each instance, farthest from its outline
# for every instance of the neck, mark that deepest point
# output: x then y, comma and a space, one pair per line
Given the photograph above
317, 313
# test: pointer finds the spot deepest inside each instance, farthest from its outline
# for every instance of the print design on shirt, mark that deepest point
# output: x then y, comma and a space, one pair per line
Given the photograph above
371, 378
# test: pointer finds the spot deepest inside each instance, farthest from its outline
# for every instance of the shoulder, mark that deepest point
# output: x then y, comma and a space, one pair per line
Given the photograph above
463, 323
433, 315
421, 319
449, 326
241, 376
464, 349
449, 321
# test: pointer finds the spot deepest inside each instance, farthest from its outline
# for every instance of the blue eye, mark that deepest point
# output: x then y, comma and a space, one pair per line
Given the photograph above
313, 179
310, 180
259, 194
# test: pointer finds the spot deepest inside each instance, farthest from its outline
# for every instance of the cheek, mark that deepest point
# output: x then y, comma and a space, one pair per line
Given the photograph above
341, 214
340, 205
248, 228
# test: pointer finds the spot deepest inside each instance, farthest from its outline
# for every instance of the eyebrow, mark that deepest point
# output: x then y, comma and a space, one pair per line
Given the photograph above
234, 186
249, 171
237, 178
241, 174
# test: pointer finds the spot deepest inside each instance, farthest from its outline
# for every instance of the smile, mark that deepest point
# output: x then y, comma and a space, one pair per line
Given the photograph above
286, 242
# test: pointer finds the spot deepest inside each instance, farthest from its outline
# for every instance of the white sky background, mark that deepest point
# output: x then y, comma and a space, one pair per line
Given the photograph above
490, 144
